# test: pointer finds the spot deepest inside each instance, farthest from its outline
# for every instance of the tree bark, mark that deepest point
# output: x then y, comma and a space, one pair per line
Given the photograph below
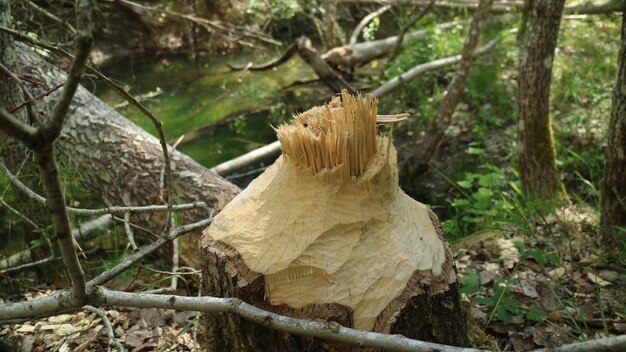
614, 180
122, 164
11, 151
327, 74
428, 311
10, 94
454, 91
537, 151
330, 23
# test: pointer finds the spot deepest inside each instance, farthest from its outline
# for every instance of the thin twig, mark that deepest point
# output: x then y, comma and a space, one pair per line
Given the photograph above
14, 77
120, 91
357, 30
51, 16
107, 326
145, 251
175, 264
15, 128
414, 18
32, 100
25, 266
129, 232
102, 211
207, 24
47, 133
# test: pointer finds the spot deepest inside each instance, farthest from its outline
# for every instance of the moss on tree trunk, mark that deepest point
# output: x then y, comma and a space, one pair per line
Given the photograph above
614, 180
537, 151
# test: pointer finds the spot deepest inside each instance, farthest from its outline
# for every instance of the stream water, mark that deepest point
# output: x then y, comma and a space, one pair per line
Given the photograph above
192, 99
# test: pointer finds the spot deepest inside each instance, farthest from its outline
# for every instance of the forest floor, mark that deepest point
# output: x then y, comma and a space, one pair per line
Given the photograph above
550, 287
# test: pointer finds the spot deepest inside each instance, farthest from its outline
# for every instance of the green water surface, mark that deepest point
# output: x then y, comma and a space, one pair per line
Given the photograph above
198, 93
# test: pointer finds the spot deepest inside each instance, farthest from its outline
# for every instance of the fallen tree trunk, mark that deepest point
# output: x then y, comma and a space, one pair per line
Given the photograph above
121, 163
329, 76
324, 71
585, 8
418, 70
347, 55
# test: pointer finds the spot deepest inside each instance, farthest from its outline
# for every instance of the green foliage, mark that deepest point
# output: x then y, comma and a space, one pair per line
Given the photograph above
424, 94
370, 30
536, 314
484, 199
484, 88
470, 282
275, 9
503, 304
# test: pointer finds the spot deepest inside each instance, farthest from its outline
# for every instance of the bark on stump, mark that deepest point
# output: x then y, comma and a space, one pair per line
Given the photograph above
386, 263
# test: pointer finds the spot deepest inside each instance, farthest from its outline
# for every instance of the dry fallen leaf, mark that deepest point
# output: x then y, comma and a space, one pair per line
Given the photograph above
521, 343
598, 280
528, 289
25, 329
557, 273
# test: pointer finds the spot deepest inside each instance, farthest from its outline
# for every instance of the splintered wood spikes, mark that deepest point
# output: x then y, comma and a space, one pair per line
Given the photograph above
327, 222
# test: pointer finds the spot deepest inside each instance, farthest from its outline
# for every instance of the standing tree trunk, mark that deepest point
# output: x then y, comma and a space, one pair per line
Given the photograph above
537, 151
454, 91
614, 180
330, 23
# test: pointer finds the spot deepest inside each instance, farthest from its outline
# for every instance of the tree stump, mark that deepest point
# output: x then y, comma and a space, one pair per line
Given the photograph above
326, 234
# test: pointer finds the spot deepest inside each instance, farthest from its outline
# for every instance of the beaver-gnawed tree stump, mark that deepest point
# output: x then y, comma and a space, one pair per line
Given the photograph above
326, 234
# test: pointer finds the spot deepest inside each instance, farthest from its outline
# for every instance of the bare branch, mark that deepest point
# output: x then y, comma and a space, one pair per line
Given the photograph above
52, 128
8, 266
454, 91
207, 24
100, 296
87, 229
102, 211
41, 142
414, 18
30, 40
145, 251
16, 79
607, 6
359, 27
130, 236
398, 81
107, 325
26, 266
132, 101
267, 65
51, 16
15, 128
244, 160
33, 99
49, 173
614, 343
329, 331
